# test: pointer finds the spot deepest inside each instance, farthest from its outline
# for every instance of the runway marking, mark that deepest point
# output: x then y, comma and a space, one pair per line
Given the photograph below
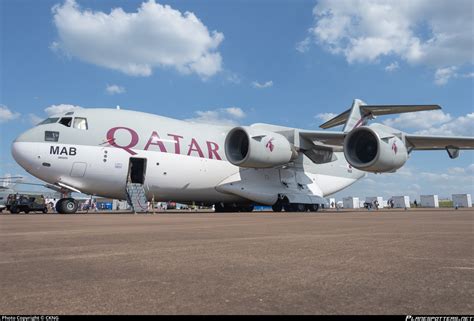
458, 267
438, 258
351, 259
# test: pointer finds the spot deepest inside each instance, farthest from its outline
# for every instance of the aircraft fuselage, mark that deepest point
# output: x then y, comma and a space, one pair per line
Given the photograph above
184, 161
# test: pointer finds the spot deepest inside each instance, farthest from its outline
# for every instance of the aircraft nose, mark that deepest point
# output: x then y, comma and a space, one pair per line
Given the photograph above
24, 151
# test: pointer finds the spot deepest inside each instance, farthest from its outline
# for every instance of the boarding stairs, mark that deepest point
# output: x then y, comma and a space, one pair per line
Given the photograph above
136, 197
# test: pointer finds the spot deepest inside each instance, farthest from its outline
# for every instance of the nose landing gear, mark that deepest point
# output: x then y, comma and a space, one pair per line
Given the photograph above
66, 206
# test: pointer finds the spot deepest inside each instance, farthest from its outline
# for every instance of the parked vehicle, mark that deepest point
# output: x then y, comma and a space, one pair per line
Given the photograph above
17, 203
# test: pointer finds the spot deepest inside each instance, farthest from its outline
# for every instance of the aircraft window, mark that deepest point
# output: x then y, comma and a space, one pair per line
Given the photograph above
50, 136
80, 123
49, 121
66, 121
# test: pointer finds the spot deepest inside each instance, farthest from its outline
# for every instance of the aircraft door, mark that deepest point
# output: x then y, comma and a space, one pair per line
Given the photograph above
136, 170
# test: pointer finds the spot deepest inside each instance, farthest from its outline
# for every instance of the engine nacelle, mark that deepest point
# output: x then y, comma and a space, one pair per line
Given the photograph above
256, 148
375, 149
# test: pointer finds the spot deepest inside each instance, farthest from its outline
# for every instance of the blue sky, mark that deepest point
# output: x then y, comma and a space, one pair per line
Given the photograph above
293, 63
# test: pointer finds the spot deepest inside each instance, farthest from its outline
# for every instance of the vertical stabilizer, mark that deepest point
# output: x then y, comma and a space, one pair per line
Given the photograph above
356, 117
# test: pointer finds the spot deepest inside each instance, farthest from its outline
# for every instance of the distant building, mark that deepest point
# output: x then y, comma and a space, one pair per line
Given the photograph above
429, 201
332, 202
401, 201
371, 199
351, 202
462, 200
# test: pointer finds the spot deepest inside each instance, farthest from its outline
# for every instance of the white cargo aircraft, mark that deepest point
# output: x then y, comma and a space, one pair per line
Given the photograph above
138, 156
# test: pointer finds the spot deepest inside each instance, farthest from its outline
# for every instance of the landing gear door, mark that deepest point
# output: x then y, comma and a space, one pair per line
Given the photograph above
287, 177
136, 170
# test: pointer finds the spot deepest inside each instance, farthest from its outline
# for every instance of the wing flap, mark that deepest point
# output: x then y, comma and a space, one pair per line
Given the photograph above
324, 137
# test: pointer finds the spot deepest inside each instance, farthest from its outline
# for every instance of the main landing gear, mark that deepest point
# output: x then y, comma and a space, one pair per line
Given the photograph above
294, 207
226, 208
66, 206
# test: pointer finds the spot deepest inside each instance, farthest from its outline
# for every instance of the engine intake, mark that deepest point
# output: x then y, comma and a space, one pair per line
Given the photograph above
255, 148
375, 149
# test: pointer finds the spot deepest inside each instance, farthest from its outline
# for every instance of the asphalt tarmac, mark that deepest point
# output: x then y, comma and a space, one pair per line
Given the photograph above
378, 262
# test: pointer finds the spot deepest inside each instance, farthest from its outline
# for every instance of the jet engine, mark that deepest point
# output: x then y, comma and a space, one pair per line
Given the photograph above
256, 148
375, 149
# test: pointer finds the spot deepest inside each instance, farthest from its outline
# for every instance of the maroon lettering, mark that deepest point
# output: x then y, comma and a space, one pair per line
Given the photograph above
133, 141
196, 148
176, 138
155, 140
212, 149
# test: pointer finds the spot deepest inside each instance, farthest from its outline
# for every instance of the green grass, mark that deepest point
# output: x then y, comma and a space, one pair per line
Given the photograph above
446, 203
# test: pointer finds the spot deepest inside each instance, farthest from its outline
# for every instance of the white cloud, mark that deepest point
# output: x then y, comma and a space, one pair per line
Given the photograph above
419, 120
60, 109
233, 78
6, 114
235, 112
258, 85
435, 33
470, 168
392, 67
114, 89
456, 170
434, 122
460, 126
325, 116
303, 46
135, 43
221, 116
442, 75
34, 119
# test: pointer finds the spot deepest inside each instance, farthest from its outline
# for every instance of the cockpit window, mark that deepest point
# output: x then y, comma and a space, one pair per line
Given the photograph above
49, 121
80, 123
66, 121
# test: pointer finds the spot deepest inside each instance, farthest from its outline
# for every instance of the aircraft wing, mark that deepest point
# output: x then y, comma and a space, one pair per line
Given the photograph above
334, 140
323, 137
422, 142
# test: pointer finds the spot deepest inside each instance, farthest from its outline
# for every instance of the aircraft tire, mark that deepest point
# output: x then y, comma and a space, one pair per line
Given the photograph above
219, 208
58, 206
27, 210
67, 206
277, 207
313, 207
45, 210
298, 207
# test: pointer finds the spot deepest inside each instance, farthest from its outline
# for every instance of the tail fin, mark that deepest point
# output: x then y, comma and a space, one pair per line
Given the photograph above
360, 113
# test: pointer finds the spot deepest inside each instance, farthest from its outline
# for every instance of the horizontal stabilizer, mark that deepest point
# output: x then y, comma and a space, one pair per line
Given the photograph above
377, 110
